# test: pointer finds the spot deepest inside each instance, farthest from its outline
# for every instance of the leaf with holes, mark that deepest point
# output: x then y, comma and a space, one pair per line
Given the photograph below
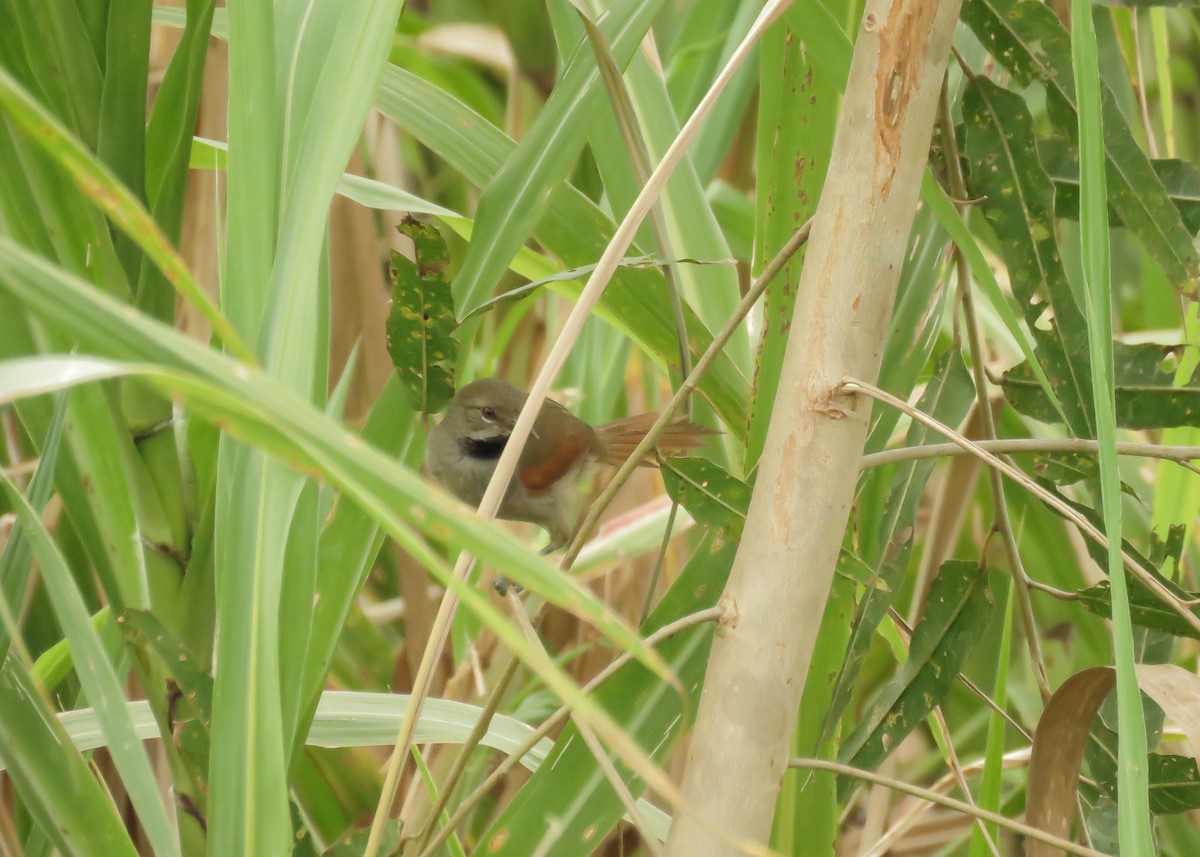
420, 326
1019, 204
1146, 394
888, 546
1180, 179
956, 615
1027, 38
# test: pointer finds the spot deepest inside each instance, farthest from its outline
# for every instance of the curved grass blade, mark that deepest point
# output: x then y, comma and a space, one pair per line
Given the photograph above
52, 779
295, 430
107, 194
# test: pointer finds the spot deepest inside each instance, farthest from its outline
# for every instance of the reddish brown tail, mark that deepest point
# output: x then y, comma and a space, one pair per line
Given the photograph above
619, 439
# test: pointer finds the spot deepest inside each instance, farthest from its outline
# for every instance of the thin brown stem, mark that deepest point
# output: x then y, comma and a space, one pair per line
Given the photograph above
948, 802
490, 707
685, 389
506, 764
854, 385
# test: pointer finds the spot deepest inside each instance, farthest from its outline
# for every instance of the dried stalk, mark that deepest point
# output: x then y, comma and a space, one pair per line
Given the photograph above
785, 563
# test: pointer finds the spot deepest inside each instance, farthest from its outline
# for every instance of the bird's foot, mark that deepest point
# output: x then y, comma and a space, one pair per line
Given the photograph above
502, 584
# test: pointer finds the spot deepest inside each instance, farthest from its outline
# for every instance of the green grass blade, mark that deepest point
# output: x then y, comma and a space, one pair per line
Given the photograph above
114, 200
98, 677
50, 776
993, 769
300, 434
1135, 834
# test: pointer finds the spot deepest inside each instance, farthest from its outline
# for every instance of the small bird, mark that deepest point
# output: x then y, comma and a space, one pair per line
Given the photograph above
562, 450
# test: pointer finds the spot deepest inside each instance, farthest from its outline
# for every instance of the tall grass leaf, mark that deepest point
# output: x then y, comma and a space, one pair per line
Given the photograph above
1135, 834
55, 783
98, 677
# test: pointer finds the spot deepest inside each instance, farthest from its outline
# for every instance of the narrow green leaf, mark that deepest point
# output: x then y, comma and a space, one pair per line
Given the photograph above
98, 677
1019, 203
52, 779
1135, 834
107, 194
956, 614
516, 197
710, 494
887, 548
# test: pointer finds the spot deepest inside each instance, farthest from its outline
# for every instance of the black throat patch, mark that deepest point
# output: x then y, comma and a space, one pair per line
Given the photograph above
487, 449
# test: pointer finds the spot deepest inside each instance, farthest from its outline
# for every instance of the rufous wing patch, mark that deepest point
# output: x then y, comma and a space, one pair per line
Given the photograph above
562, 442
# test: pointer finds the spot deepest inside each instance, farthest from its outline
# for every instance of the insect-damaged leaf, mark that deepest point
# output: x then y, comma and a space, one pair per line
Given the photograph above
1180, 179
1019, 203
956, 615
947, 397
1027, 38
421, 323
1146, 395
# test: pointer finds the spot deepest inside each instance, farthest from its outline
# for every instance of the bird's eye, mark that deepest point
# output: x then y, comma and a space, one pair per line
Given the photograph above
489, 415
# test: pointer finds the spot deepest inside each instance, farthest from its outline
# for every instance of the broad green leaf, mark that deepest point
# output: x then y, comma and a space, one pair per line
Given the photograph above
956, 613
420, 325
1174, 784
1026, 37
1180, 179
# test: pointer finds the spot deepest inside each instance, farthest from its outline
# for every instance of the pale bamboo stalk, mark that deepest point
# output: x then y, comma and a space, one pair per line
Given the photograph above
801, 502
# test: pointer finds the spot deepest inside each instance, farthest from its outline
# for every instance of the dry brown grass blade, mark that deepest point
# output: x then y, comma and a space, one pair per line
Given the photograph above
1025, 830
1057, 754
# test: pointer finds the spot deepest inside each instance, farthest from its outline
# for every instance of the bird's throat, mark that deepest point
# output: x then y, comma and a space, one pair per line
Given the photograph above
485, 449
